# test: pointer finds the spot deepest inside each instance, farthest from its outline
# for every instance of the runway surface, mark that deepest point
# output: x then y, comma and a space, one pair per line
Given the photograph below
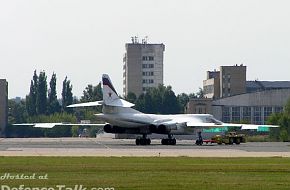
125, 147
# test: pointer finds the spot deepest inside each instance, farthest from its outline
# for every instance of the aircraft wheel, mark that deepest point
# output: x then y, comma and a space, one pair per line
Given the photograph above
238, 141
231, 141
173, 141
164, 142
143, 141
198, 142
148, 141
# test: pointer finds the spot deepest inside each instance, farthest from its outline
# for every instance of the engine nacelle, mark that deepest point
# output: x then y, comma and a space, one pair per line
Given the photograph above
108, 128
115, 129
165, 128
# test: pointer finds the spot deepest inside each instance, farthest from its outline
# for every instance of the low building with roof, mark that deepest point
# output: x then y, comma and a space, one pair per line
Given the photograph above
230, 98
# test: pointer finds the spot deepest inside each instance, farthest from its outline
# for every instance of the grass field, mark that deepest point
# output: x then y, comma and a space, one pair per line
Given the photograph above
148, 173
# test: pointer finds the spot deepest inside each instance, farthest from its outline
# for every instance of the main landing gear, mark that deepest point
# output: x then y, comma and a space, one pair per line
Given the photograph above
169, 141
143, 140
199, 140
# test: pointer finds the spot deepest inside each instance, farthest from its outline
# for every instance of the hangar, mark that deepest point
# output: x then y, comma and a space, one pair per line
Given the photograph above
254, 107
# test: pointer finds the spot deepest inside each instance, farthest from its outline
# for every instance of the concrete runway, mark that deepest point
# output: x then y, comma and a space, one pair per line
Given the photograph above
125, 147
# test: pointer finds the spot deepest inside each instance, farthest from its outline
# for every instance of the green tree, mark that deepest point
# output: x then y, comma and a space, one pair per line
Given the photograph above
200, 93
31, 98
41, 98
170, 103
140, 103
192, 95
92, 93
53, 104
131, 97
160, 100
157, 99
17, 112
283, 120
182, 99
67, 96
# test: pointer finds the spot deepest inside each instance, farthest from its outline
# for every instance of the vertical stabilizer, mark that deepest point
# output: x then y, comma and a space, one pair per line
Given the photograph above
110, 95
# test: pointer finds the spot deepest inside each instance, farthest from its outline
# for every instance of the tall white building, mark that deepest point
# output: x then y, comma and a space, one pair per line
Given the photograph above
143, 66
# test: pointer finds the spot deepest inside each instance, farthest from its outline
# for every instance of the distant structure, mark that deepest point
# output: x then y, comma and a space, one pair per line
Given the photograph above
3, 106
229, 81
142, 66
230, 98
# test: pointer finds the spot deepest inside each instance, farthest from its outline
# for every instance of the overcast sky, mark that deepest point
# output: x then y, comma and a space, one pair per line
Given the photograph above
83, 39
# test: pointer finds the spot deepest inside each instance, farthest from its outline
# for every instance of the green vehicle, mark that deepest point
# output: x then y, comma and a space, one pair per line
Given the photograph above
229, 138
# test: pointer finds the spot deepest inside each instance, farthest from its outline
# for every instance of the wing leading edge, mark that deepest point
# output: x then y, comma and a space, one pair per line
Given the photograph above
51, 125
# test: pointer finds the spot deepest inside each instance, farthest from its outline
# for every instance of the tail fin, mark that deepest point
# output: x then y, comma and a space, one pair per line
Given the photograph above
110, 95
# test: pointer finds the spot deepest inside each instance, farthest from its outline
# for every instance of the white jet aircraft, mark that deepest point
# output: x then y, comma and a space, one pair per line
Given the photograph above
121, 118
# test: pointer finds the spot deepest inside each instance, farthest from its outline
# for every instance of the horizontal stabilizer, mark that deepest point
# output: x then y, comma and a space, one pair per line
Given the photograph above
87, 104
120, 103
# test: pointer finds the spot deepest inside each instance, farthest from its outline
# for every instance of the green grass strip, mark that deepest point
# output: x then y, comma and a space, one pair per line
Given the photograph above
148, 173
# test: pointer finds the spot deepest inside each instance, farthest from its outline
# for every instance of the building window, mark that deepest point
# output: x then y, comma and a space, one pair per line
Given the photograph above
236, 114
151, 73
144, 66
267, 112
226, 114
257, 115
278, 109
144, 58
229, 78
200, 111
151, 58
247, 113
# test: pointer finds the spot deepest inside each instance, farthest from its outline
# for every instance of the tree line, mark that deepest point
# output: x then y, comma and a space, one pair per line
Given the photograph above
43, 101
283, 120
162, 100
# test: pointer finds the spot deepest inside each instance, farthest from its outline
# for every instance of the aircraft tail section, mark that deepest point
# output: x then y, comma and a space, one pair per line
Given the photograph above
110, 95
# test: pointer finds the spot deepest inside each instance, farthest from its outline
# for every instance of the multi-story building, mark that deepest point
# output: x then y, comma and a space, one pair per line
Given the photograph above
3, 106
229, 81
211, 86
143, 66
232, 80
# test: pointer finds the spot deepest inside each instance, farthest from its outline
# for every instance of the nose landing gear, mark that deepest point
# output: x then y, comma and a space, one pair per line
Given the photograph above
199, 140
